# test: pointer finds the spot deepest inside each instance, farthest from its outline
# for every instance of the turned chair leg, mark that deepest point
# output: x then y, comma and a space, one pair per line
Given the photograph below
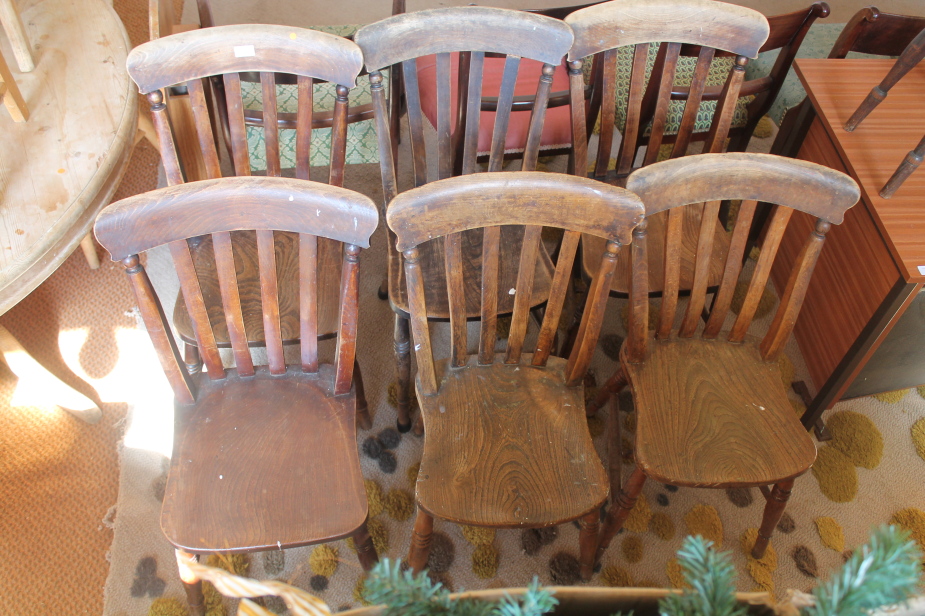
589, 525
403, 372
366, 551
363, 418
193, 588
773, 510
620, 510
613, 386
192, 359
421, 535
89, 250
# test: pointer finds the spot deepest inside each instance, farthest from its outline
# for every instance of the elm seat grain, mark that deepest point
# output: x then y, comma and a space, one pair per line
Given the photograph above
711, 410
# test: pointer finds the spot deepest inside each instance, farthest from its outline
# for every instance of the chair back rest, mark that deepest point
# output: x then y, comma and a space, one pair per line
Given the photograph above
789, 184
226, 51
447, 208
872, 32
712, 26
224, 206
470, 32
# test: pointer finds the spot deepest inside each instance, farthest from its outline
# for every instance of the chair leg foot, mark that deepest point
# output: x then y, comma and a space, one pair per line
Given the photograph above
192, 359
363, 418
773, 510
587, 542
366, 551
383, 291
421, 536
613, 386
403, 372
623, 503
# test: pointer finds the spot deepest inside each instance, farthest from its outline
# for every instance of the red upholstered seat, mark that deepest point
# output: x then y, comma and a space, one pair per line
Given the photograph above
557, 128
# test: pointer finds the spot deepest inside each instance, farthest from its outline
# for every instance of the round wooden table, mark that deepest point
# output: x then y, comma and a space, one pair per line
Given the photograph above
62, 166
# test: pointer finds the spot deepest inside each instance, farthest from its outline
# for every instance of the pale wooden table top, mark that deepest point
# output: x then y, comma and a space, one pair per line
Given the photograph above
59, 169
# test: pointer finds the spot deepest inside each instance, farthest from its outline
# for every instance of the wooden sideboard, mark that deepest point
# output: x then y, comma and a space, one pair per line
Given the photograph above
852, 331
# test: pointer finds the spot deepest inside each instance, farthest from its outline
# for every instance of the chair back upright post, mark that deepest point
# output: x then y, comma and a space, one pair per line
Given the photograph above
601, 29
708, 179
220, 207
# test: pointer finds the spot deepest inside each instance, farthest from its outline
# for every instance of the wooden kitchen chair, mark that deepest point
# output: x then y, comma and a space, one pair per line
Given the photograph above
225, 51
427, 44
711, 410
526, 458
601, 31
265, 457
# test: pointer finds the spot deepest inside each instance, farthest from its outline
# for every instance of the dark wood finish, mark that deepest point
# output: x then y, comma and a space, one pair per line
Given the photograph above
267, 461
871, 263
534, 464
713, 412
910, 57
480, 266
599, 31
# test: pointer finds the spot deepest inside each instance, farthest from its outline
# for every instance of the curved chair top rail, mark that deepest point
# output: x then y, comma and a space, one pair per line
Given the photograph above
468, 28
619, 23
240, 48
152, 219
513, 198
808, 187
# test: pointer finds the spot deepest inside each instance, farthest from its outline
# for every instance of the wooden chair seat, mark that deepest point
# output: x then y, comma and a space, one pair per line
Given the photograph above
225, 494
694, 429
592, 248
526, 459
246, 262
432, 258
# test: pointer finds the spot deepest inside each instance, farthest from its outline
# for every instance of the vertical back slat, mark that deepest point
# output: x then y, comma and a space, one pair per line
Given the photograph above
303, 136
731, 270
491, 240
608, 112
662, 102
523, 292
772, 238
456, 296
638, 322
590, 328
557, 293
169, 156
725, 108
203, 121
339, 138
473, 113
579, 122
415, 120
236, 127
269, 299
672, 271
420, 331
347, 327
159, 329
231, 302
637, 88
692, 105
270, 122
537, 119
792, 299
384, 138
702, 259
308, 301
195, 305
444, 116
503, 113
